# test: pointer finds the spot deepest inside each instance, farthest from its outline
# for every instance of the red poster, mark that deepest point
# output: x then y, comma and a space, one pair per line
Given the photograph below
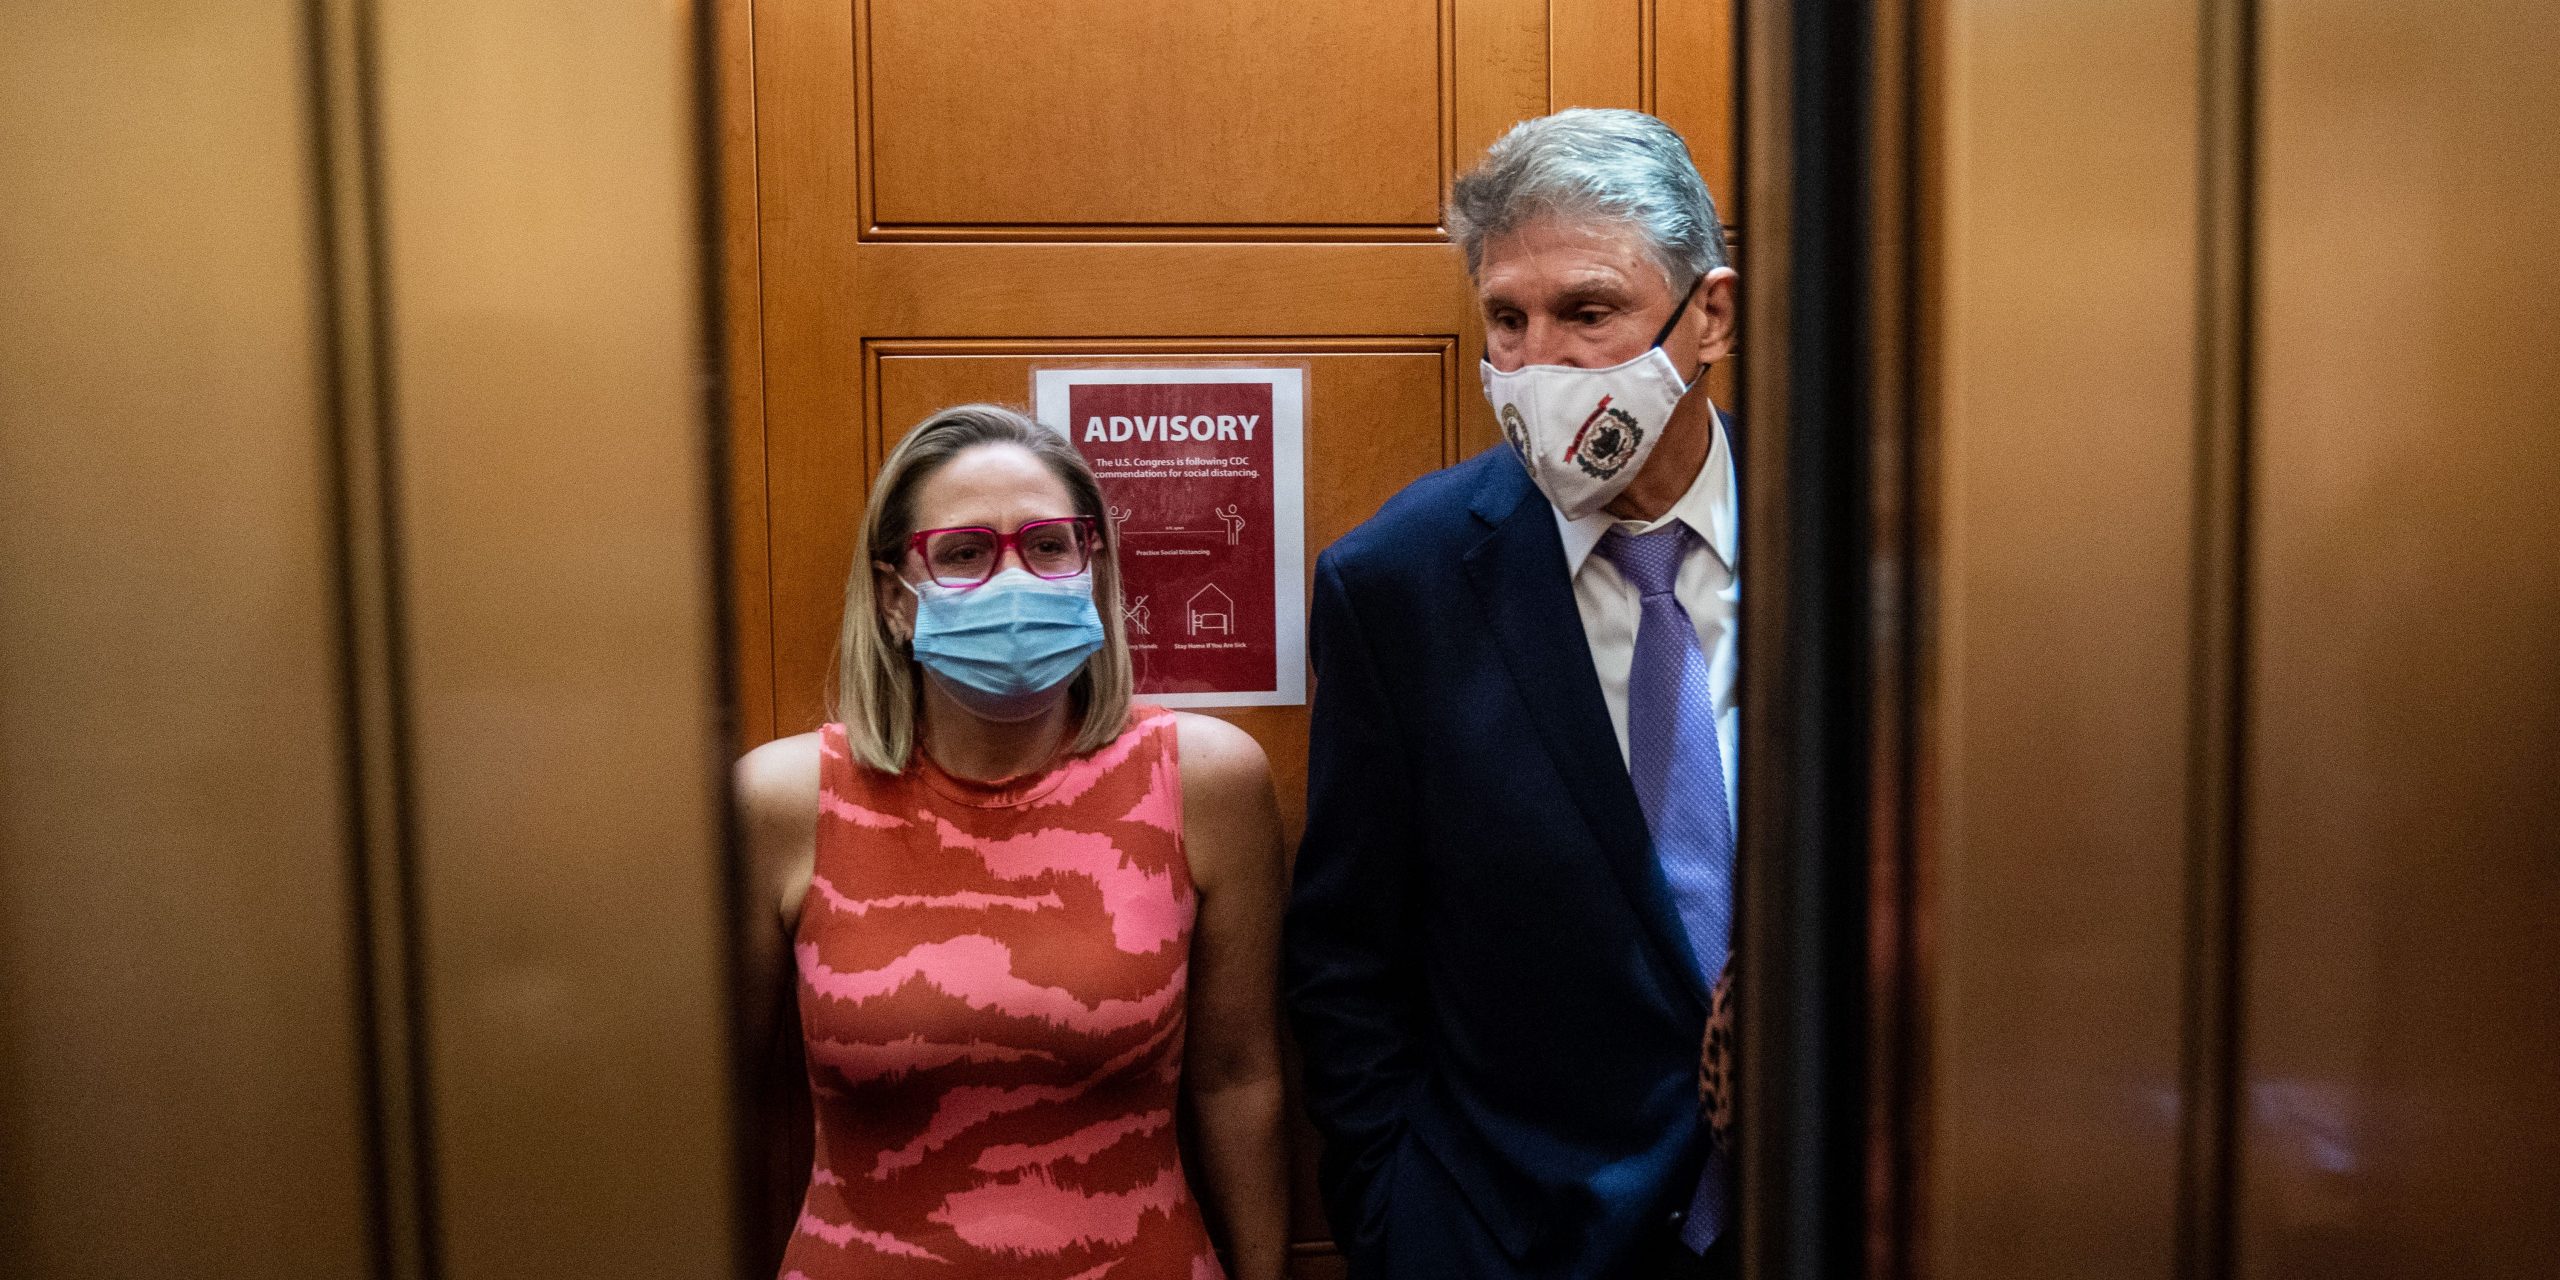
1202, 472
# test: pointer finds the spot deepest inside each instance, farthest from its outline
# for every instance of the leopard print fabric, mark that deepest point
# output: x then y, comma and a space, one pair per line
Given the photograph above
1715, 1060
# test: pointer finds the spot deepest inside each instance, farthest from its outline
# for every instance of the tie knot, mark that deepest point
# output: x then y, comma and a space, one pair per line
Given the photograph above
1650, 560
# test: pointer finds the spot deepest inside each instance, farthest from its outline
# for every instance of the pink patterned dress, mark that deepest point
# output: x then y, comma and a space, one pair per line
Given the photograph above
992, 981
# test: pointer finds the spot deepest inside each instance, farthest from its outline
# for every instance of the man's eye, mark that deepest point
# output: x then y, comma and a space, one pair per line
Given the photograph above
1590, 316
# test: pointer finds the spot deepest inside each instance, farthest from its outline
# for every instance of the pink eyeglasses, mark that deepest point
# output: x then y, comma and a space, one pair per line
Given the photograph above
968, 555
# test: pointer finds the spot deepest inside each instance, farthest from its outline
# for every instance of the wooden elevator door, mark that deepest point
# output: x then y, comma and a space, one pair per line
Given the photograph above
926, 200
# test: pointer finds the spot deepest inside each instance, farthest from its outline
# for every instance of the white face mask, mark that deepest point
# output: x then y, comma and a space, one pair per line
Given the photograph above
1585, 433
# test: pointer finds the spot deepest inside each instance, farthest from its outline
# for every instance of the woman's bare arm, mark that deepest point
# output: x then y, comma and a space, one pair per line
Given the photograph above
777, 793
776, 790
1231, 831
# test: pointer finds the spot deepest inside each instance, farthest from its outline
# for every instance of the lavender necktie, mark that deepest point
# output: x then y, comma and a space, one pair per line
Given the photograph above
1677, 764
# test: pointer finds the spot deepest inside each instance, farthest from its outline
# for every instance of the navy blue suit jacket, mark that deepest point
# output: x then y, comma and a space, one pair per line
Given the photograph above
1499, 1012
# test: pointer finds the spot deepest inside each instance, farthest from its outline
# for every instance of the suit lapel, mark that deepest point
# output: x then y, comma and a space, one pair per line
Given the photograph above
1517, 573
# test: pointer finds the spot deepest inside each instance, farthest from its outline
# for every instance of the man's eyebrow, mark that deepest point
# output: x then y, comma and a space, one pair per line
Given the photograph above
1593, 286
1596, 285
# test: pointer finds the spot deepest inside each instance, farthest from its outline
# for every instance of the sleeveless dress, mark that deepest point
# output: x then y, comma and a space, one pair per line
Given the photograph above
992, 983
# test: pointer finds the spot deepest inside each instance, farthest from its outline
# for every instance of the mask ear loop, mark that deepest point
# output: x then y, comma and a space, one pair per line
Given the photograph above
1674, 323
1679, 311
904, 635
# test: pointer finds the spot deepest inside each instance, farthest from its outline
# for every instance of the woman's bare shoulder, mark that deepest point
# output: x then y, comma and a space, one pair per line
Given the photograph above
777, 784
1231, 824
1217, 757
777, 788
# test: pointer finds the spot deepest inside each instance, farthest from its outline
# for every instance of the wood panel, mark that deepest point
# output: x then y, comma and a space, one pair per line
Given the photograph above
1599, 53
1502, 71
2401, 986
812, 330
181, 1080
822, 287
1690, 85
1009, 118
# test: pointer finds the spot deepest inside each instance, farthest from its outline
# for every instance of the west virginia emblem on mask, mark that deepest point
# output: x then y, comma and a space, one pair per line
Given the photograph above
1609, 440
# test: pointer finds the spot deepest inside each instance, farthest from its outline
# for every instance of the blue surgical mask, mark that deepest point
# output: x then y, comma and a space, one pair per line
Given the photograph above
1006, 648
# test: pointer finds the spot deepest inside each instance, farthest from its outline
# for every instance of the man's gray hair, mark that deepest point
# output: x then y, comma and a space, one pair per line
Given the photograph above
1593, 164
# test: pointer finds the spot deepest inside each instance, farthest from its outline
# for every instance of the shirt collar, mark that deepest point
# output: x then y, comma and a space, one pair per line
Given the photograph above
1708, 508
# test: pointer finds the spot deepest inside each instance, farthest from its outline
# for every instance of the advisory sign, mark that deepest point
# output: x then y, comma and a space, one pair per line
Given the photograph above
1203, 471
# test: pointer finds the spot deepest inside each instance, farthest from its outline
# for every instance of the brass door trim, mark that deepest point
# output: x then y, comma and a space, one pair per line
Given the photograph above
359, 399
1832, 767
2217, 688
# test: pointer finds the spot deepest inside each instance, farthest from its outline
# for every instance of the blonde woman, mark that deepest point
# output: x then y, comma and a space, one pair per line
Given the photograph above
1029, 918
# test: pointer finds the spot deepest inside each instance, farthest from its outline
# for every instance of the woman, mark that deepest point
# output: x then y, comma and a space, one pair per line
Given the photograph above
1022, 908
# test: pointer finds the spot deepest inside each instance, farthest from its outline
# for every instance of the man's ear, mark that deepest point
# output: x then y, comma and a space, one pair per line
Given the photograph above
1719, 302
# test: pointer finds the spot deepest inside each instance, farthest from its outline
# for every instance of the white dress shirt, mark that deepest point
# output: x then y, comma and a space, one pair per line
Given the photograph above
1709, 586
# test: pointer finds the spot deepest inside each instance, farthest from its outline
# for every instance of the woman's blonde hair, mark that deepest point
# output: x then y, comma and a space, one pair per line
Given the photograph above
875, 685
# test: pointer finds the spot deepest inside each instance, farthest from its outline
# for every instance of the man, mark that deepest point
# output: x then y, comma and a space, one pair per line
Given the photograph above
1513, 902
